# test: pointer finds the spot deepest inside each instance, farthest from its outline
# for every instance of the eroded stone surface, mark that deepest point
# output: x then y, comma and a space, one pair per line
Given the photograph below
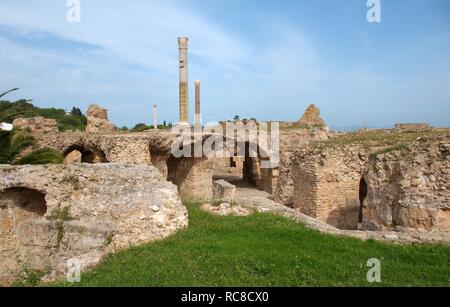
224, 190
37, 124
327, 184
97, 120
311, 117
52, 213
410, 188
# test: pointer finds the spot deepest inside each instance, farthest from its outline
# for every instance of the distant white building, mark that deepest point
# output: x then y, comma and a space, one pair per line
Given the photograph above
6, 127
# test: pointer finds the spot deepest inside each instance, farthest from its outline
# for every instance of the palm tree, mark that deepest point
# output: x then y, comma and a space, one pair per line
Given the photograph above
13, 143
7, 112
14, 89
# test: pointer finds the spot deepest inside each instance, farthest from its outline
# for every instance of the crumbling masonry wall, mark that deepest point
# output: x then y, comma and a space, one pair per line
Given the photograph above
327, 184
292, 141
117, 148
410, 188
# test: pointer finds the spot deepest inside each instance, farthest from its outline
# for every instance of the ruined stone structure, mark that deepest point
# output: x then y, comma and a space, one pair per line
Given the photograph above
413, 127
409, 188
50, 214
193, 176
97, 120
184, 83
292, 141
358, 185
327, 184
311, 117
95, 148
332, 184
37, 124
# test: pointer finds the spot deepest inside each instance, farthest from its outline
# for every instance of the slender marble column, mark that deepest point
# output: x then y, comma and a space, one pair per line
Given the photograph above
155, 116
198, 114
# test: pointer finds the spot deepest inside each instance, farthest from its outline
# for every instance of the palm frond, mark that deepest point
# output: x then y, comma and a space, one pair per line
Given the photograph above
20, 140
5, 145
41, 156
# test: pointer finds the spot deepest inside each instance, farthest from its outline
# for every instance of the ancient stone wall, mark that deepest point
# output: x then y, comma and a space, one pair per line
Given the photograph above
192, 176
50, 214
290, 142
116, 148
37, 124
410, 188
327, 184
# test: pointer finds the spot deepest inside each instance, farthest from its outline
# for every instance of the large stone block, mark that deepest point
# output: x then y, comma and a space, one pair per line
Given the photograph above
52, 213
224, 190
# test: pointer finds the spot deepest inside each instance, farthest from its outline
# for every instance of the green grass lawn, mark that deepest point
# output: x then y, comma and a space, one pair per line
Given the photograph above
266, 250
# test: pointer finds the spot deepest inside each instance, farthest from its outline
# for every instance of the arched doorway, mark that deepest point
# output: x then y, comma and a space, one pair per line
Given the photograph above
362, 196
21, 239
245, 171
18, 205
84, 154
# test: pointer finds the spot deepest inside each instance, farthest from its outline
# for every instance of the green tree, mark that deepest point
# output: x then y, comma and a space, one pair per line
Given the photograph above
76, 112
75, 120
140, 127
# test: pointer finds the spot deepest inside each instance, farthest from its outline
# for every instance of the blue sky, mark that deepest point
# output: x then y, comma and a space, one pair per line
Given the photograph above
256, 58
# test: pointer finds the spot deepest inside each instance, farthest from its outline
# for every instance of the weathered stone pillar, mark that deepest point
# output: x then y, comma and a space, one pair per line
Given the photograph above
184, 105
198, 115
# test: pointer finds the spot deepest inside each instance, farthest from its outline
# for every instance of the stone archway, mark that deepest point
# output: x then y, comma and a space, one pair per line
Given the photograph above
362, 196
18, 205
84, 154
246, 171
20, 210
160, 159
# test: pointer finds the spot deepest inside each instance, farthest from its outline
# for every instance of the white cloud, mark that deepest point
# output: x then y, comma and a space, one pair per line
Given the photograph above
136, 65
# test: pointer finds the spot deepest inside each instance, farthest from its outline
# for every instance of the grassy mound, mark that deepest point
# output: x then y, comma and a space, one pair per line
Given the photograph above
266, 250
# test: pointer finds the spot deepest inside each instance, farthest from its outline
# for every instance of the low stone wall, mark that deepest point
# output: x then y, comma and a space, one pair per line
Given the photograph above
116, 148
400, 236
410, 188
50, 214
413, 127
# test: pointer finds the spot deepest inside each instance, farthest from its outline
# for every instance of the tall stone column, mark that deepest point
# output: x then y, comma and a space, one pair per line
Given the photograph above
198, 115
184, 104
